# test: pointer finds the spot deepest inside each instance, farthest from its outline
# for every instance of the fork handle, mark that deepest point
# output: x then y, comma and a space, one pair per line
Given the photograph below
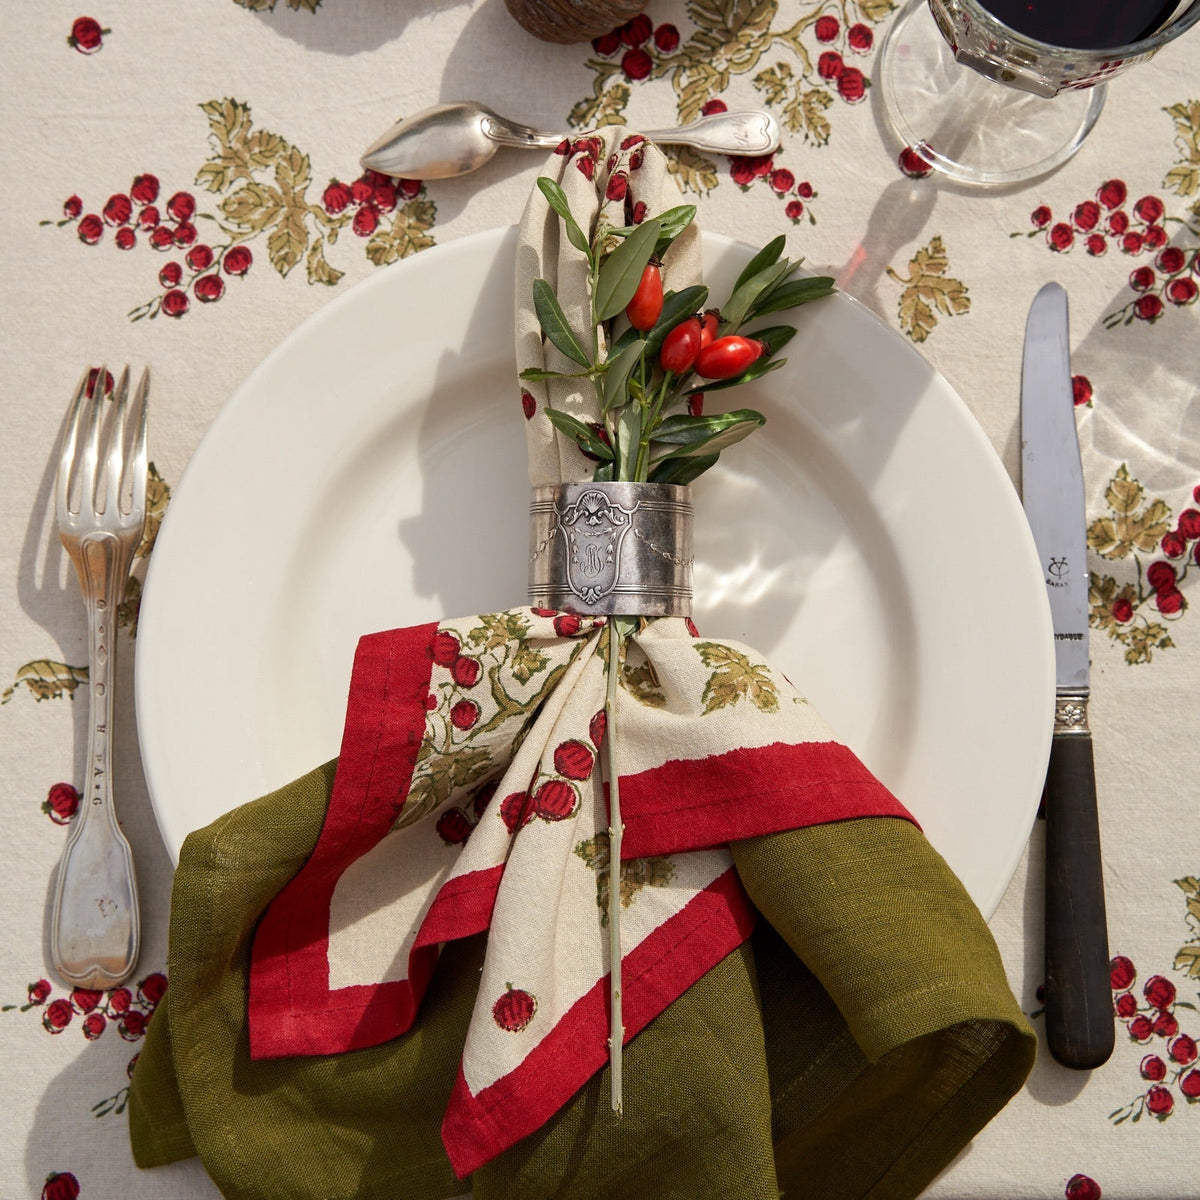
95, 929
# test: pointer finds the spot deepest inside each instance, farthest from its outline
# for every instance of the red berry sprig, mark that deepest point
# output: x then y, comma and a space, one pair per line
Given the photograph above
640, 43
1108, 220
1172, 1055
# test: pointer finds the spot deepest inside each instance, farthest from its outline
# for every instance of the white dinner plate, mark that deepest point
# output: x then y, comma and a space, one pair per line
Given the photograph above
371, 474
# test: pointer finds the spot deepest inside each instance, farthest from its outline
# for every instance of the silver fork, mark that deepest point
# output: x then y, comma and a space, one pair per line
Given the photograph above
95, 928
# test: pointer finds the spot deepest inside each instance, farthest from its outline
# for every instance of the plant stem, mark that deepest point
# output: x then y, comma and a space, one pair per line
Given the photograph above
616, 1027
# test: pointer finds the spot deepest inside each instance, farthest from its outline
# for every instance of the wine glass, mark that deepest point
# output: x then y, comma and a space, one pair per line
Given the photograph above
940, 58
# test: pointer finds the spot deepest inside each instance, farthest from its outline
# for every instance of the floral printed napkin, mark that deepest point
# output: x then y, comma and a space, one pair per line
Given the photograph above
337, 1012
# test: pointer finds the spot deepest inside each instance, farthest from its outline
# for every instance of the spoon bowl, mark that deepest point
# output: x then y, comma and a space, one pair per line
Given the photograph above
454, 139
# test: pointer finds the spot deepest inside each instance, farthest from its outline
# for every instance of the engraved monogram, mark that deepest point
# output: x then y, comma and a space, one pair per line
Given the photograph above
594, 527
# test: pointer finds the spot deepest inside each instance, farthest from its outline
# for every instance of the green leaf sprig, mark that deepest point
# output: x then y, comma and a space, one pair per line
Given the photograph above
651, 429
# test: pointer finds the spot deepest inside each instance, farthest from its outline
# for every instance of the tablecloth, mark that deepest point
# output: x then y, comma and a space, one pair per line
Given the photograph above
182, 188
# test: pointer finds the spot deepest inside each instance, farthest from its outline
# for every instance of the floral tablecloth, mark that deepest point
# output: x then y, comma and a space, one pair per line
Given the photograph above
182, 188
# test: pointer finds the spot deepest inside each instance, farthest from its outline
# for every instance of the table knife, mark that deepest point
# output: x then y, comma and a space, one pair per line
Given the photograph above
1080, 1030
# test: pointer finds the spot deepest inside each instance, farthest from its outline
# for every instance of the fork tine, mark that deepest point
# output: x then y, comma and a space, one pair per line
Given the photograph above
116, 446
90, 459
66, 459
138, 464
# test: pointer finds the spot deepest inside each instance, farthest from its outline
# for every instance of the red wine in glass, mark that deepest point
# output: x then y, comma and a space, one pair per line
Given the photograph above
1082, 24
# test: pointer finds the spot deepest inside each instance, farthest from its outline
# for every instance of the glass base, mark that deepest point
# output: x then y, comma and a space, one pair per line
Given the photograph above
965, 125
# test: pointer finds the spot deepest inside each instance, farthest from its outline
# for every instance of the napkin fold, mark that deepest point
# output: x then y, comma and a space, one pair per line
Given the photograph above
391, 975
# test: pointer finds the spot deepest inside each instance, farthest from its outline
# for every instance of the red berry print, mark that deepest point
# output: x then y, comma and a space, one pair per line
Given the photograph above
175, 303
153, 988
1061, 237
1081, 390
125, 238
1166, 1025
1096, 244
515, 811
86, 999
607, 44
1189, 1085
1159, 1101
1112, 194
830, 65
1131, 243
149, 217
365, 222
1122, 610
1125, 1006
60, 1185
182, 206
58, 1015
93, 1026
1141, 279
384, 197
567, 625
237, 261
1189, 523
1148, 209
61, 803
162, 238
1153, 1068
454, 827
199, 257
185, 233
1141, 1028
1182, 291
915, 167
466, 671
86, 35
1160, 576
336, 197
782, 180
852, 85
827, 28
1118, 223
514, 1010
713, 106
597, 727
637, 31
464, 714
132, 1025
1041, 216
170, 275
1169, 601
38, 992
1173, 545
528, 405
1148, 308
574, 760
119, 1000
209, 288
144, 189
666, 38
118, 209
445, 648
554, 800
618, 185
1086, 216
1082, 1187
72, 207
860, 38
636, 64
91, 229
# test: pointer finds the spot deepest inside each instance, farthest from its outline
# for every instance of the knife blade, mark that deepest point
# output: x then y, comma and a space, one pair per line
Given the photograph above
1080, 1030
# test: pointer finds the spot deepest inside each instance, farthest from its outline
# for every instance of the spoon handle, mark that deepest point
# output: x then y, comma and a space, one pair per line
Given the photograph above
741, 133
523, 137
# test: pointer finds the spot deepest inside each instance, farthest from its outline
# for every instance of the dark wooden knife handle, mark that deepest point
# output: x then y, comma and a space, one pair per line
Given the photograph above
1080, 1028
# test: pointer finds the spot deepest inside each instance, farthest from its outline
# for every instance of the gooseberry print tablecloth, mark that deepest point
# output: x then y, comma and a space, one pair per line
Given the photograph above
182, 189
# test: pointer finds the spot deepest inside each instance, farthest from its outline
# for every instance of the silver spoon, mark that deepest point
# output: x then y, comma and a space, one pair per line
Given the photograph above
454, 139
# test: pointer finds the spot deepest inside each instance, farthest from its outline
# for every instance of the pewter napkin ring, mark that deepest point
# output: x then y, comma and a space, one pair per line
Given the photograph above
611, 549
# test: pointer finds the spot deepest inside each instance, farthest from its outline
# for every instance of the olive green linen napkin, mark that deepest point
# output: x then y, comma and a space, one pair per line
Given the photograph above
852, 1048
